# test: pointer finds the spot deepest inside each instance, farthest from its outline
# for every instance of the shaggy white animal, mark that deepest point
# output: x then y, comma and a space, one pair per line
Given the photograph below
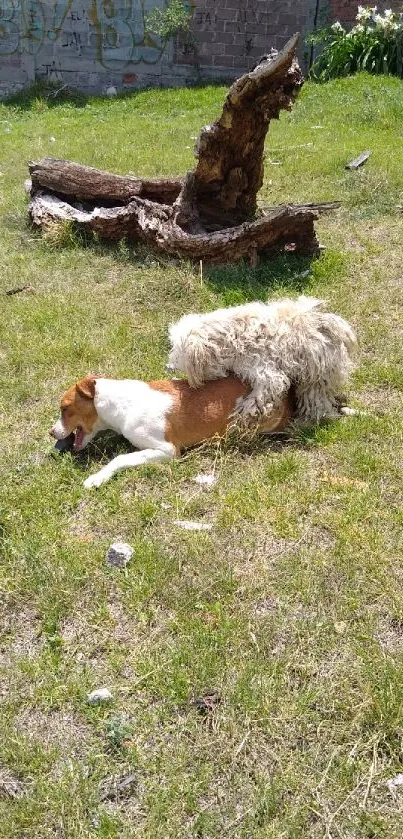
273, 346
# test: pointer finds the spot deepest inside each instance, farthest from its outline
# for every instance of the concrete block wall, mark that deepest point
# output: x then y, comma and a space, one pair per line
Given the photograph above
231, 35
96, 44
346, 10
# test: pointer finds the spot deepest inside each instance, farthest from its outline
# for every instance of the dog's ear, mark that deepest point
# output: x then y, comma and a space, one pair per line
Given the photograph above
86, 387
199, 358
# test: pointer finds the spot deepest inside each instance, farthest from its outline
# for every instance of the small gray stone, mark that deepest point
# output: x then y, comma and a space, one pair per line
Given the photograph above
119, 554
99, 695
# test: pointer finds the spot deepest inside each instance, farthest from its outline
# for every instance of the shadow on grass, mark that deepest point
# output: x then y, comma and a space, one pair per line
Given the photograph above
301, 437
104, 448
235, 283
289, 273
109, 445
53, 94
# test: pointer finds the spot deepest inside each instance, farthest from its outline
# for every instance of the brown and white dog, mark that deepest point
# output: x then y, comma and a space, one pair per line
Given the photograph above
159, 418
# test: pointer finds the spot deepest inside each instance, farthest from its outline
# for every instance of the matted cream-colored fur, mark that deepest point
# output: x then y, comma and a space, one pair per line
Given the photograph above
273, 346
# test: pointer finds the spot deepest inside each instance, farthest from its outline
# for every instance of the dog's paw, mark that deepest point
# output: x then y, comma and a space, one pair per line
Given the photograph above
95, 481
248, 409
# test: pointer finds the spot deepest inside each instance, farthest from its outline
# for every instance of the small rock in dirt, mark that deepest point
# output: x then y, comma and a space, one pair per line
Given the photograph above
206, 703
10, 785
397, 781
205, 480
193, 525
119, 788
119, 554
99, 695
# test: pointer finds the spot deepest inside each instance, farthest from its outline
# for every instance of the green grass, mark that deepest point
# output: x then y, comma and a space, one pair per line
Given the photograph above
291, 607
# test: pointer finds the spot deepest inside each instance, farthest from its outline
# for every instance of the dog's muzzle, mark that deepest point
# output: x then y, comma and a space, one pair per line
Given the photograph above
58, 431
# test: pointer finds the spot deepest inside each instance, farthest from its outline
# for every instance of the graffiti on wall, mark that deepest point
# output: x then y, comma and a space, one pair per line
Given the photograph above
118, 27
122, 33
24, 25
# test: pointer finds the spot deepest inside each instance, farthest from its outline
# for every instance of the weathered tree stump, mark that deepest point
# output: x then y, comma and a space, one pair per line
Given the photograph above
212, 212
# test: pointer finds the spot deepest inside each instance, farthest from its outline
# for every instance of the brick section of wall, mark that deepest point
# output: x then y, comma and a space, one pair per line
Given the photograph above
346, 10
231, 35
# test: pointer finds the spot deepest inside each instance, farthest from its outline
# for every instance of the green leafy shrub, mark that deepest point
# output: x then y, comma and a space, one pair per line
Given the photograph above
170, 21
374, 44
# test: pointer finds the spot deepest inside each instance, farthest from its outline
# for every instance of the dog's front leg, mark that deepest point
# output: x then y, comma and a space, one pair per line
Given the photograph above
262, 400
269, 387
252, 407
125, 461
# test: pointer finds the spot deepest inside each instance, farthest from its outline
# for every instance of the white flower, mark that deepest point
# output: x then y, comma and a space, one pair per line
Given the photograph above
365, 13
358, 30
387, 22
337, 28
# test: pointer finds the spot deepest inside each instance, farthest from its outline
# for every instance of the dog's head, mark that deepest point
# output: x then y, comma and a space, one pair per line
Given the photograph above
78, 413
191, 353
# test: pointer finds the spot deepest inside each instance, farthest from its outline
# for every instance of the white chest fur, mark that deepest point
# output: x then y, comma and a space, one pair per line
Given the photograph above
132, 408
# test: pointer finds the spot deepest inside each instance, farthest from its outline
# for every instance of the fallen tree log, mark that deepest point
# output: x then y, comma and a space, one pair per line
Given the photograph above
83, 183
286, 226
209, 214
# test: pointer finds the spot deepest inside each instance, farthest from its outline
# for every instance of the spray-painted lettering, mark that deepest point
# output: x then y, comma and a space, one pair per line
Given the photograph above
122, 34
26, 24
120, 27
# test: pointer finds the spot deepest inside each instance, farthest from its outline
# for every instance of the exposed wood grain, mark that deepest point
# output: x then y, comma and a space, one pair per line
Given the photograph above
229, 171
155, 224
83, 183
358, 161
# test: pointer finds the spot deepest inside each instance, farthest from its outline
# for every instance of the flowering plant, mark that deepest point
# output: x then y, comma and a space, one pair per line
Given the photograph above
374, 44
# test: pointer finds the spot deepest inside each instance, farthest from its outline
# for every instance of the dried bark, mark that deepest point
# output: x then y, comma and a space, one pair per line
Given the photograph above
209, 214
83, 183
229, 172
291, 227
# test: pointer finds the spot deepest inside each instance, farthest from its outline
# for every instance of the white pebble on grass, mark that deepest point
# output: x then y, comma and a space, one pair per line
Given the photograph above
397, 781
205, 480
99, 695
